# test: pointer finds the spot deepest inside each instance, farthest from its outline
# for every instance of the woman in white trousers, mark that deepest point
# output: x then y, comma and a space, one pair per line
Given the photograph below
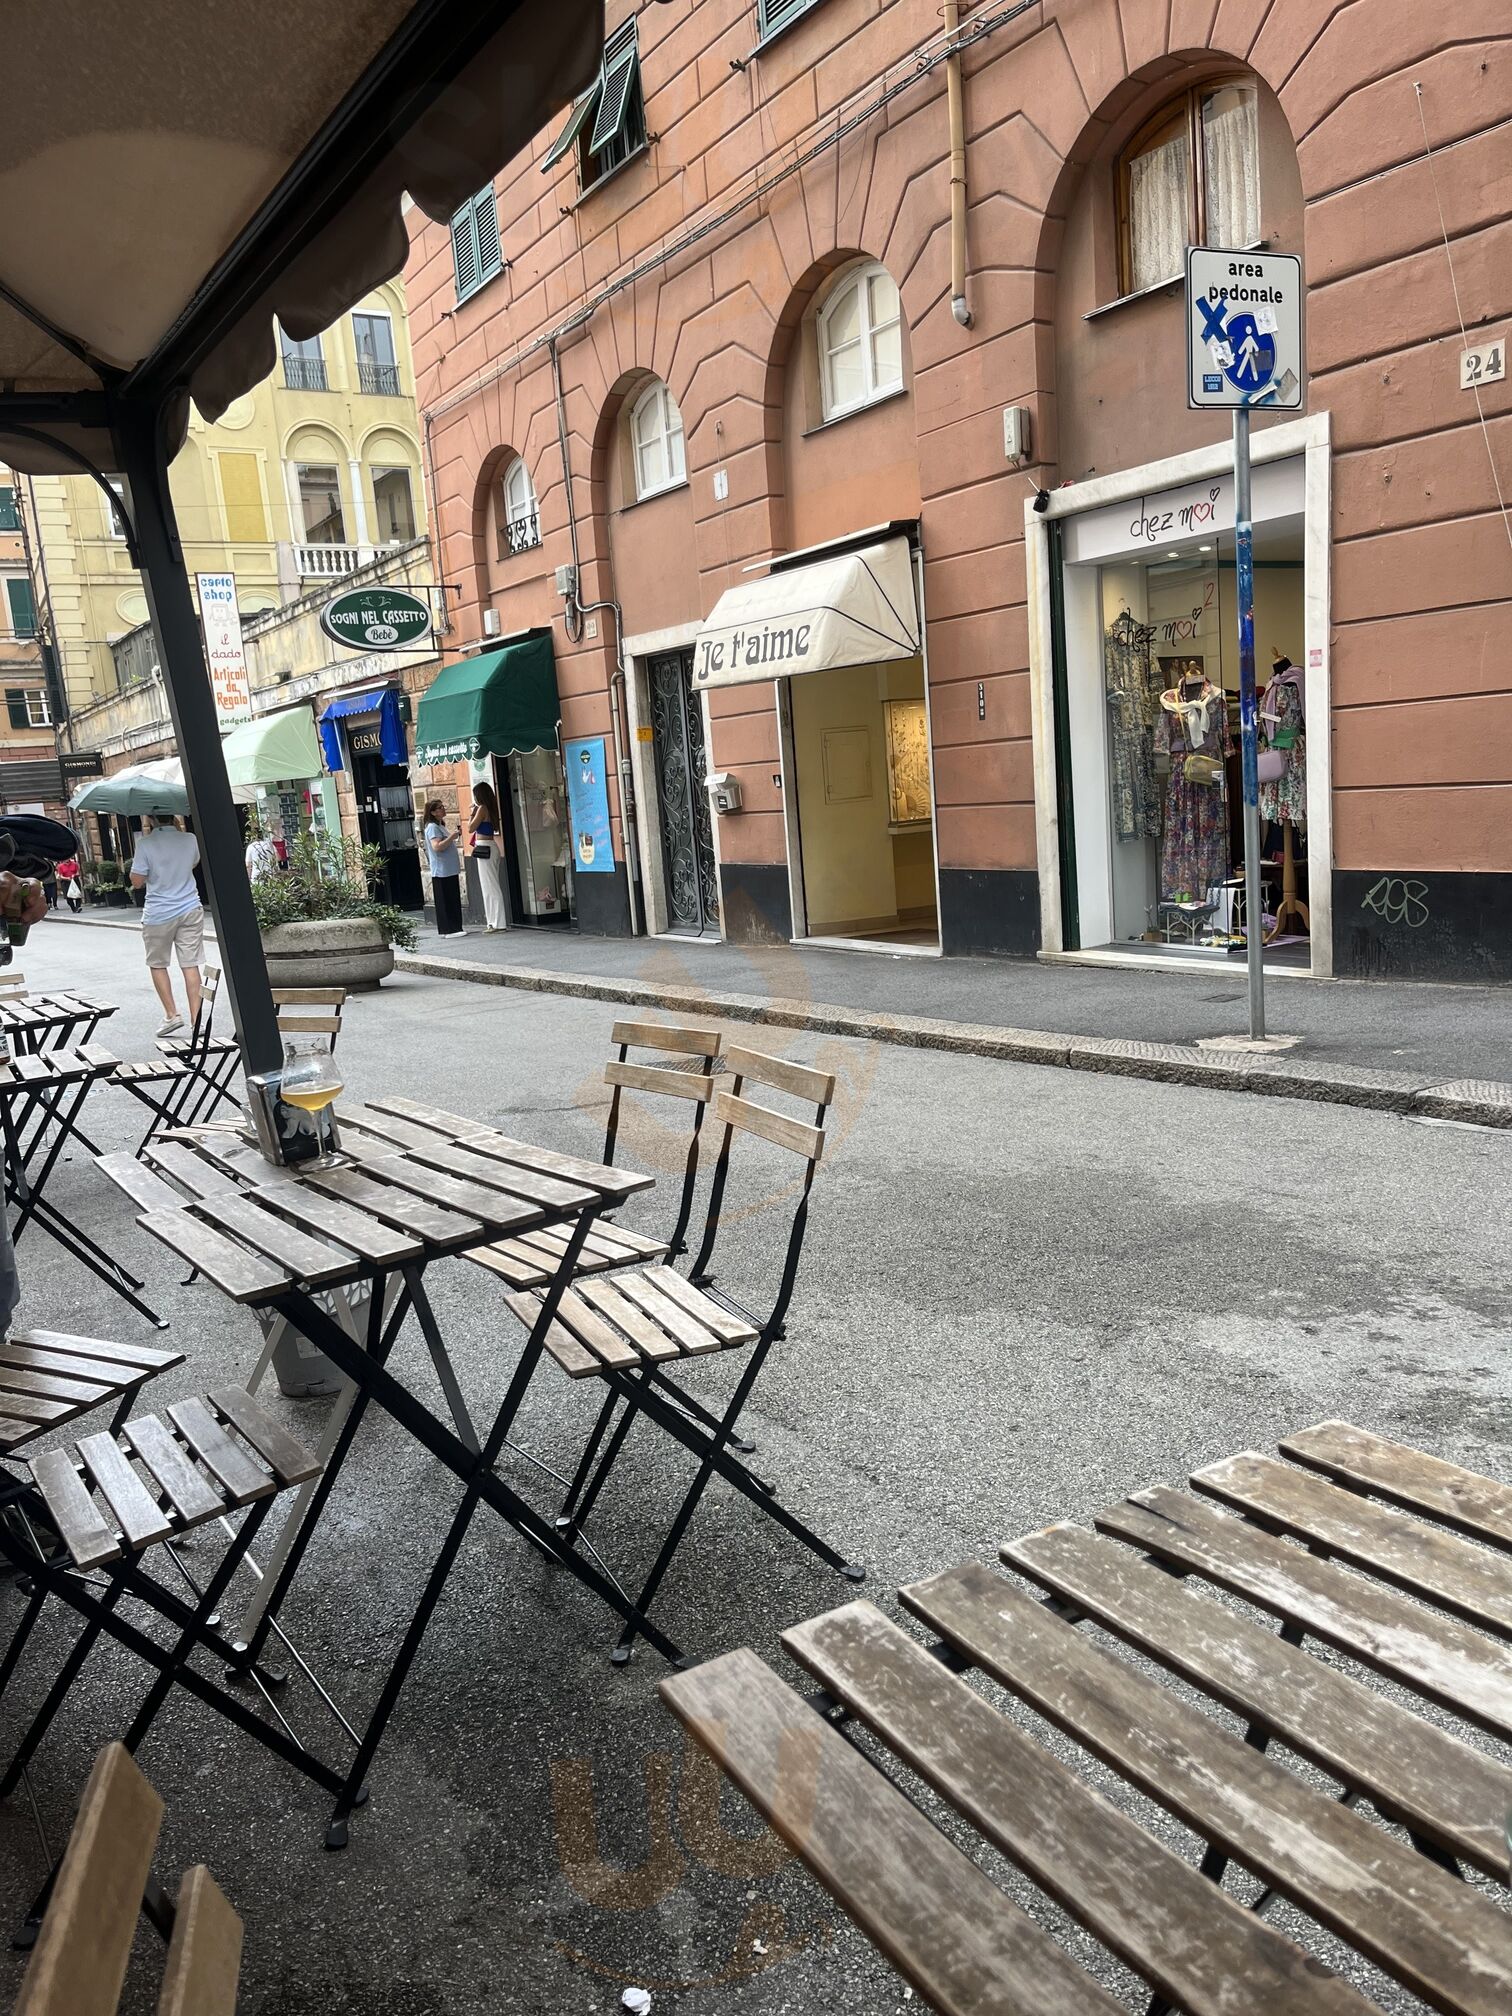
483, 833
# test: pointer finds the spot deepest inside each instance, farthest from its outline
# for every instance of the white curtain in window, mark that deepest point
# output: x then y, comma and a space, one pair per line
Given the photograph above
1159, 180
1231, 166
519, 492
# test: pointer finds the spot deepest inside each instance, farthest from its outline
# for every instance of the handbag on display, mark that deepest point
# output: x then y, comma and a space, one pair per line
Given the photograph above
1202, 769
1270, 764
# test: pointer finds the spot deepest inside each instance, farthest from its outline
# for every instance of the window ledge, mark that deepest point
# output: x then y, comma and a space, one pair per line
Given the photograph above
654, 496
610, 173
1176, 280
855, 412
463, 299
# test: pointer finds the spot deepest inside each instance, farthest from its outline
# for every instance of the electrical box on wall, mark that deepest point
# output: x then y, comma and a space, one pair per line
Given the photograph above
490, 622
566, 582
725, 792
1016, 433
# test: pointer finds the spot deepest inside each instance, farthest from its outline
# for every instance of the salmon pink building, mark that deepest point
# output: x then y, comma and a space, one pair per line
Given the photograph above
834, 556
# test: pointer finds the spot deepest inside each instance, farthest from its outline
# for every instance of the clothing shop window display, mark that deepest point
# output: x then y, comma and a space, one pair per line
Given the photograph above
1194, 737
1283, 789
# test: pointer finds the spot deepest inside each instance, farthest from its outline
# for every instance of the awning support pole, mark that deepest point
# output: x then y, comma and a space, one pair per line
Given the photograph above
191, 705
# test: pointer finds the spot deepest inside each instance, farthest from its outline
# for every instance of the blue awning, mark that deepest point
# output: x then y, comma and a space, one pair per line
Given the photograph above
380, 699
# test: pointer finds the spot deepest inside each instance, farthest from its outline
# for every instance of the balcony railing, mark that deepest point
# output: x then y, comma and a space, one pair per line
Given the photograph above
522, 532
324, 562
304, 374
381, 379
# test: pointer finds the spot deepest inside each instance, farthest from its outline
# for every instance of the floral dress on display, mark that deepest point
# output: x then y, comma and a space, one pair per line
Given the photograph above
1281, 718
1195, 852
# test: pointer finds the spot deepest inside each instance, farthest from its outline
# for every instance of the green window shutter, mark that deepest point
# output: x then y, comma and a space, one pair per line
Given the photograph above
15, 706
486, 227
464, 237
577, 118
10, 517
23, 611
774, 14
621, 66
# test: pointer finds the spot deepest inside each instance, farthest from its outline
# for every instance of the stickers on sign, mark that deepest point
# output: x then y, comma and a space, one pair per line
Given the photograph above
1265, 321
1212, 381
645, 733
1221, 353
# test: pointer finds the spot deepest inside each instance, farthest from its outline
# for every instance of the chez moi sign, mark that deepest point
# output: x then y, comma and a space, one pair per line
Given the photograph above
376, 619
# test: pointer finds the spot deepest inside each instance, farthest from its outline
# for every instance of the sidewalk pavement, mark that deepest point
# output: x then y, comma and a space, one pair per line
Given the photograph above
1441, 1052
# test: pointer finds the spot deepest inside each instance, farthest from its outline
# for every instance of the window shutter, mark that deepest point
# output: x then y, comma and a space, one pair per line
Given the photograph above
774, 14
22, 609
15, 706
464, 237
486, 219
575, 121
10, 518
621, 63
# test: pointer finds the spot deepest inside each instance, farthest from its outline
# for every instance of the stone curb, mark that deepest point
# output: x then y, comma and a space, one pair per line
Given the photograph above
1481, 1102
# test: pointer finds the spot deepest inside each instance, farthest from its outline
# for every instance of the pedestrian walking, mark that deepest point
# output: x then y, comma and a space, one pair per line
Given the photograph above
173, 920
68, 882
446, 870
483, 832
261, 856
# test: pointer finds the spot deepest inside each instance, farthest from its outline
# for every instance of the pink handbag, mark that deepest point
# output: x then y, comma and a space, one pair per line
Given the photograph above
1270, 766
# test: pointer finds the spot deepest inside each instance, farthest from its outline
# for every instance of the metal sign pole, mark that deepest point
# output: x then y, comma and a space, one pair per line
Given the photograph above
1249, 722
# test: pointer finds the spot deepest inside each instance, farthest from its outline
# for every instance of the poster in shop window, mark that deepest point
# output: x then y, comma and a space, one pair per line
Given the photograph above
588, 805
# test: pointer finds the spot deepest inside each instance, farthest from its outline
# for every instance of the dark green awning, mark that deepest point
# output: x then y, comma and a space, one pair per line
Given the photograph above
500, 703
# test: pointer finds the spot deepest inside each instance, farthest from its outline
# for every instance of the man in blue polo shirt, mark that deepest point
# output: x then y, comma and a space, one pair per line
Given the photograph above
173, 921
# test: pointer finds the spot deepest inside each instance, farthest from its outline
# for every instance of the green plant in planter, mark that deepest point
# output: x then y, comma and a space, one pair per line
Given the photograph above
329, 875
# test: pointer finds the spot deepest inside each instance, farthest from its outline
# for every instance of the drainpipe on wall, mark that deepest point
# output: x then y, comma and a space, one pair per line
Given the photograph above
953, 102
573, 615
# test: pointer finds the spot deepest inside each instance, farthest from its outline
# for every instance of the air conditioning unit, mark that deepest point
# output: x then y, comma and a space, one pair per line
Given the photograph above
567, 582
490, 622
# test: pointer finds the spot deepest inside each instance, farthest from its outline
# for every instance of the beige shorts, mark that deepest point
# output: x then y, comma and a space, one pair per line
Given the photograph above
182, 935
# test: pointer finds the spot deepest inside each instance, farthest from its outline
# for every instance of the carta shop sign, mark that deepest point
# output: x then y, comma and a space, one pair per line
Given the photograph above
376, 619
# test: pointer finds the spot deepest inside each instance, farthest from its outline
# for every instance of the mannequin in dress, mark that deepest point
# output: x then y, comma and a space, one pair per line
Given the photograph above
1283, 800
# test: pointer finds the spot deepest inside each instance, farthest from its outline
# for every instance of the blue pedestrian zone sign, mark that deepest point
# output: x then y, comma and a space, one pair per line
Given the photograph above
1244, 329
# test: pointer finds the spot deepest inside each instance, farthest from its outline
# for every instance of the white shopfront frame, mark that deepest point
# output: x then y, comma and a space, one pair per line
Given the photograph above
1308, 438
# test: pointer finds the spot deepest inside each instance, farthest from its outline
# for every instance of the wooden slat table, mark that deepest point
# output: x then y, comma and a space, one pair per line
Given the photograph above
1405, 1565
283, 1243
42, 1097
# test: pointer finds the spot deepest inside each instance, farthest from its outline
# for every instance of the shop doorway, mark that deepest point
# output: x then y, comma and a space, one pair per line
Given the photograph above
858, 737
684, 819
538, 857
1135, 662
386, 817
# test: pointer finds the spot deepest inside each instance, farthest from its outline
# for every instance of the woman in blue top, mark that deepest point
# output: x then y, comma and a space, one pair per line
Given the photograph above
483, 832
446, 870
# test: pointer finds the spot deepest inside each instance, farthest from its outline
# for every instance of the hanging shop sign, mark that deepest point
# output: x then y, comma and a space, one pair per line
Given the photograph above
1244, 329
588, 805
376, 619
366, 741
220, 622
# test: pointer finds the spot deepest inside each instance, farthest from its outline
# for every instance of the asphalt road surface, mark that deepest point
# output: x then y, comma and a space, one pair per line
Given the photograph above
1025, 1292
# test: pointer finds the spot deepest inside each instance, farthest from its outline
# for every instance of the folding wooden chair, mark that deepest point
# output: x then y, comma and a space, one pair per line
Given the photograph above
310, 1011
105, 1882
629, 1329
531, 1261
191, 1079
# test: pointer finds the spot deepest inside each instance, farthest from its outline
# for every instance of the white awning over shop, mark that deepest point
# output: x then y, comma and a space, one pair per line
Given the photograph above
857, 608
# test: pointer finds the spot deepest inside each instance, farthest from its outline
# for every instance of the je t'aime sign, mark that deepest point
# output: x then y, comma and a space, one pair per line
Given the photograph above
764, 649
376, 619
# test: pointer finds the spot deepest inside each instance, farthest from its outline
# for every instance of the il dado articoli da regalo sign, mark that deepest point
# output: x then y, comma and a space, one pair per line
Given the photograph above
376, 619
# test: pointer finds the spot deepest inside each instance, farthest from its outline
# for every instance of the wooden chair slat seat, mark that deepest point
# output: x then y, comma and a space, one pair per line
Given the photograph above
287, 1457
948, 1929
531, 1260
83, 1951
52, 1385
66, 1343
106, 1373
192, 1497
630, 1318
1159, 1913
48, 1378
1440, 1785
239, 1477
1437, 1656
1410, 1477
74, 1513
132, 1506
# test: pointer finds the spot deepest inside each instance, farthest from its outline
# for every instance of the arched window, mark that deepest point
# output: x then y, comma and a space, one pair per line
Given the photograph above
656, 435
1191, 176
519, 519
860, 332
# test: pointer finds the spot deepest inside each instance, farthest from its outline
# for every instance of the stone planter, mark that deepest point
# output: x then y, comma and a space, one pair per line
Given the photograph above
328, 952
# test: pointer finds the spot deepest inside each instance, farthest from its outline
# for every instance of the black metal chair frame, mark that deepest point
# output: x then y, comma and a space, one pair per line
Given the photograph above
198, 1092
711, 1437
649, 1036
45, 1104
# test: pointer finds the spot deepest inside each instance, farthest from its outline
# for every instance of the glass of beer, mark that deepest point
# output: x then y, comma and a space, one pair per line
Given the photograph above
312, 1082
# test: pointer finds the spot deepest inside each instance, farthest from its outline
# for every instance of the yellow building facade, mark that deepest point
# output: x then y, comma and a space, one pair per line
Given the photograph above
306, 478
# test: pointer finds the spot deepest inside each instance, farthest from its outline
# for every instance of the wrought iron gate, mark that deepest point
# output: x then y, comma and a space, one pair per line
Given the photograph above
682, 766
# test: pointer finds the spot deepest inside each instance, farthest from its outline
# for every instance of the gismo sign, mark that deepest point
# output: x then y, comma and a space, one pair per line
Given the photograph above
376, 619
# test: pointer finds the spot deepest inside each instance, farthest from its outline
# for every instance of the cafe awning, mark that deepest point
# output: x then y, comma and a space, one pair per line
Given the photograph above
380, 700
500, 703
855, 608
273, 749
